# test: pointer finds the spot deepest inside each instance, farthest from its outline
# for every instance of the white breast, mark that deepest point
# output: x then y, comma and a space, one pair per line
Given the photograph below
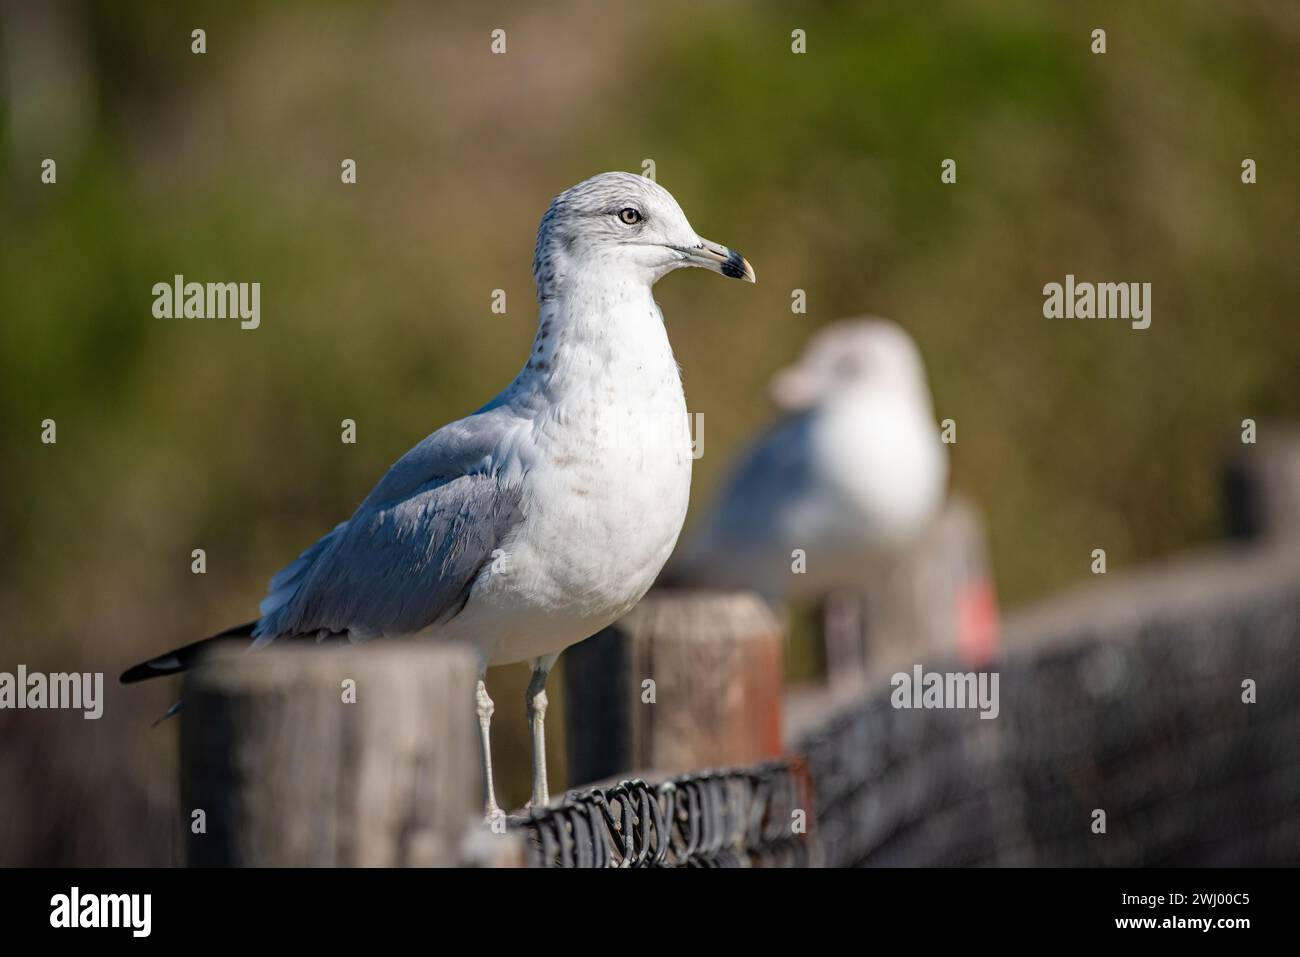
884, 468
606, 492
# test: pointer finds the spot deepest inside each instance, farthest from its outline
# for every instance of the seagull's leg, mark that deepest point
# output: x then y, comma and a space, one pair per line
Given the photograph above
485, 708
842, 636
535, 701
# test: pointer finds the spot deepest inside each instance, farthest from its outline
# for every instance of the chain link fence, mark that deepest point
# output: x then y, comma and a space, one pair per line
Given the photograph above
746, 817
1130, 709
1151, 723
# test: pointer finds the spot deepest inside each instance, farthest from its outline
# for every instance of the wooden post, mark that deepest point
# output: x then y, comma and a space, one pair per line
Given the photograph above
686, 680
313, 756
937, 597
1262, 486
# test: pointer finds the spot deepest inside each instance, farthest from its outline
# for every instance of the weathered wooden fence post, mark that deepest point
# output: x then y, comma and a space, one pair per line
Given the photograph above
686, 680
1262, 486
306, 756
939, 596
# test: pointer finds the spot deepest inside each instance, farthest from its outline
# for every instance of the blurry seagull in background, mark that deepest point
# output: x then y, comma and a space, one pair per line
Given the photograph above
856, 470
548, 513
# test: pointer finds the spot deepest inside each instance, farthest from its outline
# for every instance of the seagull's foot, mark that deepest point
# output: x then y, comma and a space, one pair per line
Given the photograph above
494, 819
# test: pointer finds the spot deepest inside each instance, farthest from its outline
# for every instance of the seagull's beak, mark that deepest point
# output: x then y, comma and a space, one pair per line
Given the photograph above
793, 390
719, 258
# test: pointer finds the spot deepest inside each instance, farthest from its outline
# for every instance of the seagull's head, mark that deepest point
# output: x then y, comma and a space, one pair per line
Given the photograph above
625, 226
851, 357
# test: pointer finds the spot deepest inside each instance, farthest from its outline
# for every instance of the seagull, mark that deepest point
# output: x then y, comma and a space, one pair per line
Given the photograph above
547, 514
855, 470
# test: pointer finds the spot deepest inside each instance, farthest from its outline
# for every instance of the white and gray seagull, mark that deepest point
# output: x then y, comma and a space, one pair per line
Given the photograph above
855, 471
546, 515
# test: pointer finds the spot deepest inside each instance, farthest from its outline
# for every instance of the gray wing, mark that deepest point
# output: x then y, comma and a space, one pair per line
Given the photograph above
753, 498
409, 556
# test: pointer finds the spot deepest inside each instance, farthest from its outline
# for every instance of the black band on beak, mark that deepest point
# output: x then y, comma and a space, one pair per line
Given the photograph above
734, 266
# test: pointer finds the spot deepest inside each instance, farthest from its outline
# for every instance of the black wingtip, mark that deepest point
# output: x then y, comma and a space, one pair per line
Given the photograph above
173, 710
168, 664
182, 659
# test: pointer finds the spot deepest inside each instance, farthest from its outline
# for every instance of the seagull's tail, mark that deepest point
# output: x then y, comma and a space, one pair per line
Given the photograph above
182, 659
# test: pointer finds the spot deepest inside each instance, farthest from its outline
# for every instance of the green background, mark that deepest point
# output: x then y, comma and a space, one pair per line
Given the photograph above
823, 168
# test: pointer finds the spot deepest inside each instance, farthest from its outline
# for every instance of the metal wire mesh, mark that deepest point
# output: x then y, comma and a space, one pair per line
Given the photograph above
1148, 726
1132, 706
744, 817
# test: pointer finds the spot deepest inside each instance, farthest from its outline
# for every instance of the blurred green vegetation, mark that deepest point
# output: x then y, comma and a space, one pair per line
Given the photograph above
823, 168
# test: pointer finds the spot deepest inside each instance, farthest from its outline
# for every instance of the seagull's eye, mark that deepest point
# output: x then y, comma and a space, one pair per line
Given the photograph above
629, 215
